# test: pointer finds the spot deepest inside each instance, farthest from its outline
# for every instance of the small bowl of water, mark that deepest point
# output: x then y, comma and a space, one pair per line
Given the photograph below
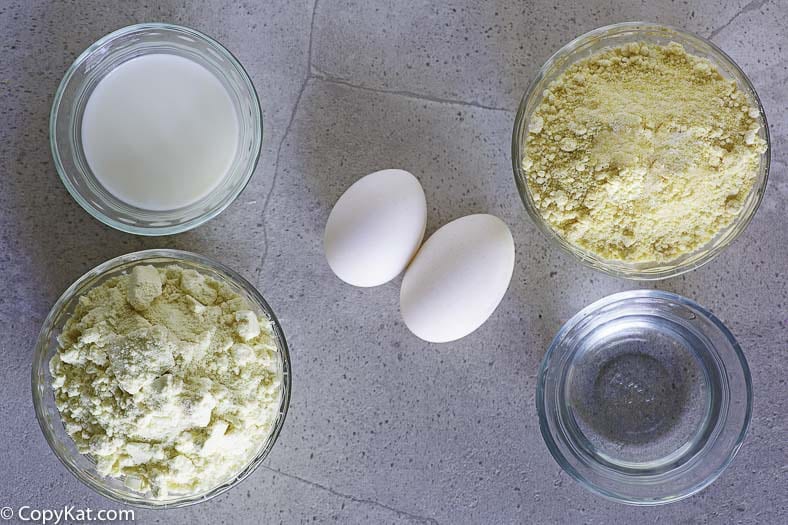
644, 397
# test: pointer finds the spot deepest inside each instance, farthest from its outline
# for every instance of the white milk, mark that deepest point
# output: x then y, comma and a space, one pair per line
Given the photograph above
160, 132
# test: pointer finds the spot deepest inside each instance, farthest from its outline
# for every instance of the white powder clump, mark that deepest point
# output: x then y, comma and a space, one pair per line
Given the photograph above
168, 379
144, 286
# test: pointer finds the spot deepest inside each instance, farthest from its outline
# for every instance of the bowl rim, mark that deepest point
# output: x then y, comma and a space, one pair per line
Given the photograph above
42, 344
153, 231
544, 425
741, 222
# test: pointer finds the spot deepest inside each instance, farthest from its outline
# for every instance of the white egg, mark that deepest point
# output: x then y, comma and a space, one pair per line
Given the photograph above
457, 278
376, 227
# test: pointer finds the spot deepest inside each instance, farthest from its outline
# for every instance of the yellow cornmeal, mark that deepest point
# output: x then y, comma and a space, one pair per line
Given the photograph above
642, 152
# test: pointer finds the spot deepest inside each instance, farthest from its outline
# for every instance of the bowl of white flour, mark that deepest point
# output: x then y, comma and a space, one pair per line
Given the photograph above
161, 378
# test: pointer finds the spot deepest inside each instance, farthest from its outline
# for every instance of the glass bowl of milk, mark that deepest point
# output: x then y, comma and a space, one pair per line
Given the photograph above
155, 129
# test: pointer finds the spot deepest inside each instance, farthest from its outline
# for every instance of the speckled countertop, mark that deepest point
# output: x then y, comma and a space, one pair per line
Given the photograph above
384, 428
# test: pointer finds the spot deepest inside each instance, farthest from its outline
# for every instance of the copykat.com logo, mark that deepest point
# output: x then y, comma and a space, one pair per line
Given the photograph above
66, 514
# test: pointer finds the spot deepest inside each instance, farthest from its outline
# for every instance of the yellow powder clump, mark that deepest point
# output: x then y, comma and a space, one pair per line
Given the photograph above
642, 152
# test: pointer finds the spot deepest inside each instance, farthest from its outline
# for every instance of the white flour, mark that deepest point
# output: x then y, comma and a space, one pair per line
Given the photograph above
168, 379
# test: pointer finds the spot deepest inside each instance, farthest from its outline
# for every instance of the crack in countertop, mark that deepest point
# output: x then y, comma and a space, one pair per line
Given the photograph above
754, 5
327, 77
364, 501
284, 139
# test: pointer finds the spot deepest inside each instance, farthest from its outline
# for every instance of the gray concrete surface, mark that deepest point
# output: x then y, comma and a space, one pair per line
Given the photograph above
383, 427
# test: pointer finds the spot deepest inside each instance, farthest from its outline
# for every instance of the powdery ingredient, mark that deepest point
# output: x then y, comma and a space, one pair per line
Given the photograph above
167, 378
642, 152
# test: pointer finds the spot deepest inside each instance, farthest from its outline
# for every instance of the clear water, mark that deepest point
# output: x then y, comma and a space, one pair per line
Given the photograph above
637, 392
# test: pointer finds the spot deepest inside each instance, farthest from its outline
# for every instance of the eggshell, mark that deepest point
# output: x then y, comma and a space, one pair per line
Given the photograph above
376, 227
457, 278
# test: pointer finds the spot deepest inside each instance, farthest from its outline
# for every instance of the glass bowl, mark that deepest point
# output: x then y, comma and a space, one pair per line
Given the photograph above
91, 67
614, 36
644, 397
83, 466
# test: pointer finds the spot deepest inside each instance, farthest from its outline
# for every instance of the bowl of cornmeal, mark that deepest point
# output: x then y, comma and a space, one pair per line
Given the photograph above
161, 378
641, 149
